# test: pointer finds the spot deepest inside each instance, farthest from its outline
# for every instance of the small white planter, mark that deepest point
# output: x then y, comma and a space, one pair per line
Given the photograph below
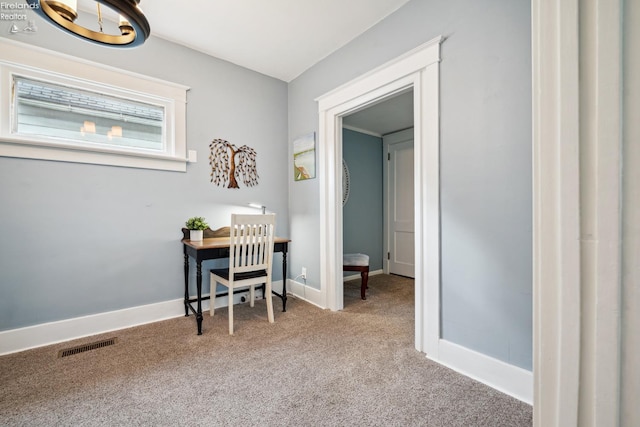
195, 235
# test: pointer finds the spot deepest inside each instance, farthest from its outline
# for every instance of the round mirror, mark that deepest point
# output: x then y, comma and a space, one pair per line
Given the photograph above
345, 183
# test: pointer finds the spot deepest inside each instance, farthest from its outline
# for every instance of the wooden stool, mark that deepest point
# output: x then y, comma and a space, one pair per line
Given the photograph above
357, 262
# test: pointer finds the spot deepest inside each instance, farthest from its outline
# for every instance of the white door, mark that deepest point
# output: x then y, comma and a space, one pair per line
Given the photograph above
399, 208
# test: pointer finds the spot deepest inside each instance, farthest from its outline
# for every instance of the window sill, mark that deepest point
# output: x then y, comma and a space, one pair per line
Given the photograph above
81, 155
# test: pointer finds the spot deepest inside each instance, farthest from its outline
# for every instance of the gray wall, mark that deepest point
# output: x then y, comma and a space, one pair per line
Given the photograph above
362, 215
485, 161
79, 239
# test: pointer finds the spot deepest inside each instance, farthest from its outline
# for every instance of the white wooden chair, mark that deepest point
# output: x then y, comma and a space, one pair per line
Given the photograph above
250, 260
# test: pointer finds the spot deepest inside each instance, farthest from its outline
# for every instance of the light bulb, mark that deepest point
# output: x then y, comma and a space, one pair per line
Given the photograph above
68, 9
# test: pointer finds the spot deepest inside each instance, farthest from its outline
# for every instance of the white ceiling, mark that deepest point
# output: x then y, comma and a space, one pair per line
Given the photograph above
390, 115
279, 38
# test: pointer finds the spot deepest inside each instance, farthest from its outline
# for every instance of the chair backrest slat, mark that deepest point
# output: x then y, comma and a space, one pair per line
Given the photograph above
251, 242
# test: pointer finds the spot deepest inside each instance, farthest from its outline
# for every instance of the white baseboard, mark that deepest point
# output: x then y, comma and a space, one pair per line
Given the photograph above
509, 379
356, 276
306, 293
15, 340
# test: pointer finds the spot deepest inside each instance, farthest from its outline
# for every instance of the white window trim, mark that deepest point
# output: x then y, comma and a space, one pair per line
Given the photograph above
30, 61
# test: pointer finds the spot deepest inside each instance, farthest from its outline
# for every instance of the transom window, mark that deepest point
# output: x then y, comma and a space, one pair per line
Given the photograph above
56, 107
89, 118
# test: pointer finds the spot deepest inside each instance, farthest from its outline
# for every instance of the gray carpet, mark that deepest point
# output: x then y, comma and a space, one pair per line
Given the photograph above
311, 367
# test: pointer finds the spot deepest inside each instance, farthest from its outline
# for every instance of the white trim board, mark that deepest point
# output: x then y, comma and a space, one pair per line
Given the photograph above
306, 293
15, 340
578, 110
29, 337
509, 379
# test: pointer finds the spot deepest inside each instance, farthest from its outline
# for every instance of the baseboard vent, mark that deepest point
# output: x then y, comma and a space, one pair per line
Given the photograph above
86, 347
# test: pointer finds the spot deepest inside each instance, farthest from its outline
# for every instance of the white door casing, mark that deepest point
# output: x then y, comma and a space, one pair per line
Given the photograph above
577, 201
417, 69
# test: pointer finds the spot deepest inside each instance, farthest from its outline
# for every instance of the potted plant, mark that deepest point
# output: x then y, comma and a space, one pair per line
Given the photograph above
196, 226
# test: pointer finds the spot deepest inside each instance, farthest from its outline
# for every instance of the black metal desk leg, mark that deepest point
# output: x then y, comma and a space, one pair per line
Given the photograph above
284, 280
186, 285
199, 286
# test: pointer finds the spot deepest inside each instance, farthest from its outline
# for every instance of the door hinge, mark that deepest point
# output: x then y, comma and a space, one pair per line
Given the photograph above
388, 255
388, 156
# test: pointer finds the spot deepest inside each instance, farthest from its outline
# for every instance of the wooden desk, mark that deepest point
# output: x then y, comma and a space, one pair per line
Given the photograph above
215, 248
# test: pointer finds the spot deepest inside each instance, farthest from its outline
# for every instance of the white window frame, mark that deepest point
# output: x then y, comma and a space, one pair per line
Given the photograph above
40, 64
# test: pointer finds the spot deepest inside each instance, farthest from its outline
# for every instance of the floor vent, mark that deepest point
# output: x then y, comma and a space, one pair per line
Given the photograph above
86, 347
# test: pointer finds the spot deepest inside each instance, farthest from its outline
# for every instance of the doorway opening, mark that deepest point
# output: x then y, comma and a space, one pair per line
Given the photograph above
417, 70
378, 199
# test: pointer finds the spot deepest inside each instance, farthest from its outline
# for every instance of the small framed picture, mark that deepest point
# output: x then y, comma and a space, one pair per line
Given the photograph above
304, 157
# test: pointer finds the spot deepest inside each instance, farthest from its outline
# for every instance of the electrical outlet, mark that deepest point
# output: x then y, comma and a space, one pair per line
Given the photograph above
304, 272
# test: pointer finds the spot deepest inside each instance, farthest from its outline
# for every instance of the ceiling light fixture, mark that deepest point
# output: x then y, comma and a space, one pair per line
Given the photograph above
133, 25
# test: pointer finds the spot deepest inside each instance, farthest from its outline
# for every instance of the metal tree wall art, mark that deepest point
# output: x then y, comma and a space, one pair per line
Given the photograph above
230, 164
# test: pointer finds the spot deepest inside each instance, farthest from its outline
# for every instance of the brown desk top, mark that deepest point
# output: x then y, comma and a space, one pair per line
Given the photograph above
221, 242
